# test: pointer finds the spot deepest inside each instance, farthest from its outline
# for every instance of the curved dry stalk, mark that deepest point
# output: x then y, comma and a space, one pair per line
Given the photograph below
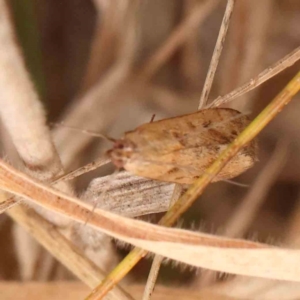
216, 54
188, 247
265, 75
176, 38
23, 115
21, 111
6, 204
129, 230
198, 187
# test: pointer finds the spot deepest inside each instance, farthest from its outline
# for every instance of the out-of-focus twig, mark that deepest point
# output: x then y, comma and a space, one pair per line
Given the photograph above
108, 38
190, 59
177, 37
256, 45
233, 52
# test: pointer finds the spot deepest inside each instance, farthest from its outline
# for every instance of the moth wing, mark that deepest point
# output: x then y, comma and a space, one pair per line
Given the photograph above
180, 149
204, 128
187, 165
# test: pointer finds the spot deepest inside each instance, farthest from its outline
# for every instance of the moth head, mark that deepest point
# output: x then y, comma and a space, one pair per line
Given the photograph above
121, 152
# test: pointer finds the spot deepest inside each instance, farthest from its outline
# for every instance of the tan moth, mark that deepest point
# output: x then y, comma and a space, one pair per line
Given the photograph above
179, 149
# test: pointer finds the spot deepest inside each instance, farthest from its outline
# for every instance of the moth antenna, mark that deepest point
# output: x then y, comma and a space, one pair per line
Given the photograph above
112, 177
89, 132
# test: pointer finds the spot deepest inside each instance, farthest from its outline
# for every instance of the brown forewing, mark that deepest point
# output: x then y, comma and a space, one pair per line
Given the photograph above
180, 149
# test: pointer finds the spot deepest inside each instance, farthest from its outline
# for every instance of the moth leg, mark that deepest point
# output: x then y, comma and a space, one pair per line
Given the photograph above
152, 118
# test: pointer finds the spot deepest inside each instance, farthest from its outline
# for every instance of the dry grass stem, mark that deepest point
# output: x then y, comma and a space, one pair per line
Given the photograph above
216, 54
107, 39
265, 75
10, 202
152, 277
84, 169
6, 204
132, 231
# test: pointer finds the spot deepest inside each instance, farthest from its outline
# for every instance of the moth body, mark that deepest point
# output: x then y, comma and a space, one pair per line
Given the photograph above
179, 149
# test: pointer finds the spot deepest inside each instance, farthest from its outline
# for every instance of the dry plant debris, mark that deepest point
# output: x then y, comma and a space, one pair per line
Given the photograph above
120, 90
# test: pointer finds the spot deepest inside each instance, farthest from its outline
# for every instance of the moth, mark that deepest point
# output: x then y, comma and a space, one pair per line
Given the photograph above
179, 149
